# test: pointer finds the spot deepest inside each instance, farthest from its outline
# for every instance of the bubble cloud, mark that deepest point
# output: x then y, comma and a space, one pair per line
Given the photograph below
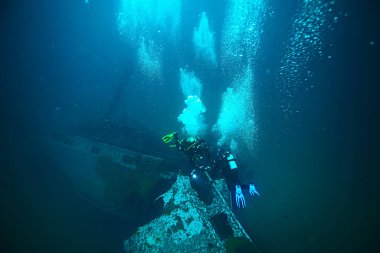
204, 42
149, 59
192, 116
236, 121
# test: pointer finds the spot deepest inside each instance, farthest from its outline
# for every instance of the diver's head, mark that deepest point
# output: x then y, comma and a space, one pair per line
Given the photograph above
222, 151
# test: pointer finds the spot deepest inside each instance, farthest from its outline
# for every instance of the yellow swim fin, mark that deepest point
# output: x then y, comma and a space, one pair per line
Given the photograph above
168, 138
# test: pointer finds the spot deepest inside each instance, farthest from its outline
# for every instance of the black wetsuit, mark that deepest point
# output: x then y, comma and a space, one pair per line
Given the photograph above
196, 151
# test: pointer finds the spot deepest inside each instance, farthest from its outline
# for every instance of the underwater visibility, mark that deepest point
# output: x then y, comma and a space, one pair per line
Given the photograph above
190, 126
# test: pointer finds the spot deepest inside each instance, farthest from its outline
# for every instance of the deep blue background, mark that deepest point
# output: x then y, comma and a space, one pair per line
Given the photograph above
63, 63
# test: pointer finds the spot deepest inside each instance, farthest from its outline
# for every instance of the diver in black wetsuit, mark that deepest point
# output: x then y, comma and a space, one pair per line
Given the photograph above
198, 153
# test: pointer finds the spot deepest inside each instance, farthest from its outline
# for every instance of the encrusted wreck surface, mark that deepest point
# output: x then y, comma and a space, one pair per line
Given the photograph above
187, 225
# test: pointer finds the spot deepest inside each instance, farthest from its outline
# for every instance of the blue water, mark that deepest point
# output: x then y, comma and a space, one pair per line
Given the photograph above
302, 112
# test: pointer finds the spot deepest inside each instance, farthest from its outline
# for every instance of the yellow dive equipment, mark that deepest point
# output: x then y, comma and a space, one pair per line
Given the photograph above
168, 138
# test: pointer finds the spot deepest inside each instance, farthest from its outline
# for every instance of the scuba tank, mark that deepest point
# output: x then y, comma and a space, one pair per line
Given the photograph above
231, 161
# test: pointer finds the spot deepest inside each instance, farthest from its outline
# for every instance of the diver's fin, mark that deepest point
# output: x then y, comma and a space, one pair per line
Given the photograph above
168, 138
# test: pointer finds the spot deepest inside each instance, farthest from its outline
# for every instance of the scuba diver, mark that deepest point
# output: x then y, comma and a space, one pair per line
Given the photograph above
226, 165
198, 153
